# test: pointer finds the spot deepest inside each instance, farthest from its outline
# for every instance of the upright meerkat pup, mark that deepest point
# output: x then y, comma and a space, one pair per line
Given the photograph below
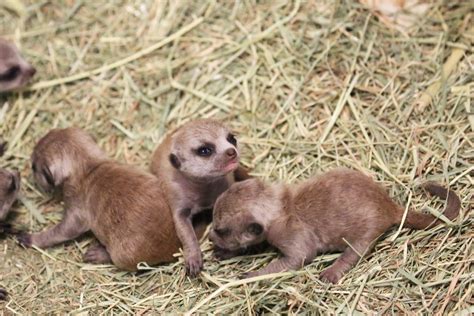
124, 207
341, 210
9, 188
15, 72
196, 162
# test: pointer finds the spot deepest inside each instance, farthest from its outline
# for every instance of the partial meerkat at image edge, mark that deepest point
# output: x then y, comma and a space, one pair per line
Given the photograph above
339, 211
122, 205
9, 188
15, 71
197, 162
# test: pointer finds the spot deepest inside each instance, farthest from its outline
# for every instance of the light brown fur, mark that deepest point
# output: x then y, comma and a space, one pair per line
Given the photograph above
123, 206
342, 210
192, 182
15, 72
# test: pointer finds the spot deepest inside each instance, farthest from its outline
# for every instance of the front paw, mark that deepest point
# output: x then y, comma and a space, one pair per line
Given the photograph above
25, 240
193, 264
3, 294
331, 275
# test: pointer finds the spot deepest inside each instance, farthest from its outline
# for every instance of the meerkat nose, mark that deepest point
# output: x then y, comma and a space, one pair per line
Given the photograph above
231, 153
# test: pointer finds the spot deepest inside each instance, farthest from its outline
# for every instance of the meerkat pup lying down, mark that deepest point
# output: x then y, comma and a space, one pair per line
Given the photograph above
342, 210
197, 162
15, 72
9, 188
124, 207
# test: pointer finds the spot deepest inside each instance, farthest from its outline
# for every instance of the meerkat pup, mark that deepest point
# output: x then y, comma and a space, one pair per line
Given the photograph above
15, 72
196, 162
9, 188
341, 210
124, 207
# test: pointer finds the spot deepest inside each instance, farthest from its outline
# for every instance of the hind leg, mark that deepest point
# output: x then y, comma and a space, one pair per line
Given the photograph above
97, 254
345, 262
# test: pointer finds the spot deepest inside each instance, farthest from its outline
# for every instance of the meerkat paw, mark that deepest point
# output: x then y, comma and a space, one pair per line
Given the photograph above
97, 254
331, 275
3, 294
25, 240
193, 265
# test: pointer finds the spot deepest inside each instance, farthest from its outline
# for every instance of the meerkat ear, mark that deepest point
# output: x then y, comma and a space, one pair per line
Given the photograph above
255, 229
175, 161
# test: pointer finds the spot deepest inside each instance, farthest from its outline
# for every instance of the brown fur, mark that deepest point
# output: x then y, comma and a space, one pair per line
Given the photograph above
9, 188
192, 182
15, 72
123, 206
323, 214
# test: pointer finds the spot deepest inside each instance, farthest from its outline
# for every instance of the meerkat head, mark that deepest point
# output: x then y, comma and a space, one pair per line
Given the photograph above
15, 72
243, 214
204, 149
9, 187
61, 154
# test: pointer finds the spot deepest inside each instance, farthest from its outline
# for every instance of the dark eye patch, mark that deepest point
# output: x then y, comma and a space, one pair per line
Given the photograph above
206, 150
255, 228
48, 176
231, 139
222, 232
11, 74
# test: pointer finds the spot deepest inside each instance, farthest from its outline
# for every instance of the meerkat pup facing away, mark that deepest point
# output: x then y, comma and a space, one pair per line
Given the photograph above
196, 162
124, 207
9, 188
15, 72
341, 210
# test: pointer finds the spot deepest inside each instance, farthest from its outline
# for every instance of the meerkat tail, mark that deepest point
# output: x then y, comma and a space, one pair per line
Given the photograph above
416, 220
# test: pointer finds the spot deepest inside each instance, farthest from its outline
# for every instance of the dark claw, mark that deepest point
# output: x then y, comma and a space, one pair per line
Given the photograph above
330, 276
24, 239
3, 294
193, 267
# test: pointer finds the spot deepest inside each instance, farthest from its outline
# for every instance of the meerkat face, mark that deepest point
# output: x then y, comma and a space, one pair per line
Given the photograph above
61, 153
15, 72
239, 216
204, 149
9, 188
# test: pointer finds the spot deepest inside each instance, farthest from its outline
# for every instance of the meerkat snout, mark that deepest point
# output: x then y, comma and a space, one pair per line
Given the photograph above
15, 71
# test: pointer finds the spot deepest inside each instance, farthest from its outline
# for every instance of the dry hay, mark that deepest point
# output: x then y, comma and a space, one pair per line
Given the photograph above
308, 85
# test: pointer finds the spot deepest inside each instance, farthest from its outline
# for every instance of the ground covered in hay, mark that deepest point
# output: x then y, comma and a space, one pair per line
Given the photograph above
307, 86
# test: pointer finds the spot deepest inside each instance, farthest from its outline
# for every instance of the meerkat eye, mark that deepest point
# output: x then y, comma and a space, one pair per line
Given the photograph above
231, 139
204, 151
223, 232
11, 74
48, 176
255, 229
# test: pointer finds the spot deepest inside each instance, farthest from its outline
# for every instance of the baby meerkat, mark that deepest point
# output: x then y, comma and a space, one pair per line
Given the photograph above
124, 207
15, 72
341, 210
9, 188
196, 162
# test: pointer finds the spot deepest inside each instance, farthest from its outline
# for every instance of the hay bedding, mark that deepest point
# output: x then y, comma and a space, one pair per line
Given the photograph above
308, 85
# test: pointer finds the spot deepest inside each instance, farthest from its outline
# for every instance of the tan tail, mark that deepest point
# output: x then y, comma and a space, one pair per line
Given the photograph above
416, 220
